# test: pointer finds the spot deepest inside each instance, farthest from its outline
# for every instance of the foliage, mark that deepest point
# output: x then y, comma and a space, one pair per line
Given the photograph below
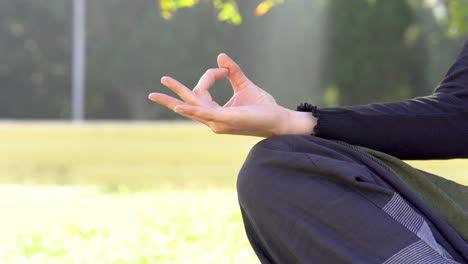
228, 9
35, 63
130, 46
167, 7
456, 20
355, 67
380, 47
457, 17
265, 6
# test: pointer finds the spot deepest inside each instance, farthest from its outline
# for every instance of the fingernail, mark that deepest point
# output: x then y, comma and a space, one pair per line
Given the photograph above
163, 79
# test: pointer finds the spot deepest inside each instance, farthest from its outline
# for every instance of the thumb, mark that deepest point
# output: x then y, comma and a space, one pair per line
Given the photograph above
235, 75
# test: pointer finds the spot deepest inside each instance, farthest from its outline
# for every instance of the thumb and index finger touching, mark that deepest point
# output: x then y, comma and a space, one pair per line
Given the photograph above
235, 75
227, 68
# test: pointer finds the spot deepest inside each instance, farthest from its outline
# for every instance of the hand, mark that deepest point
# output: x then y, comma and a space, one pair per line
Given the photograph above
250, 111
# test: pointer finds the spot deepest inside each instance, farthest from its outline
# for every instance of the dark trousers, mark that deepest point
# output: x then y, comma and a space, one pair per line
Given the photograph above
309, 200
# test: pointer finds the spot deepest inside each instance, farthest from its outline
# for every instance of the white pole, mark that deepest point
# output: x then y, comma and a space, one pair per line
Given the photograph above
78, 60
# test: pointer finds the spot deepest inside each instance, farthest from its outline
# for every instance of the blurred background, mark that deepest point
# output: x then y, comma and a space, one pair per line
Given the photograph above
93, 172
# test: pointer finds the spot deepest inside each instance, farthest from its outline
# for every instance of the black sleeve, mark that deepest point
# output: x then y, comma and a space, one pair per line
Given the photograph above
430, 127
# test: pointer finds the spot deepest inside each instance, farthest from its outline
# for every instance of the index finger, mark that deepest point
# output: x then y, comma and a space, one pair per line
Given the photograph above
183, 92
208, 79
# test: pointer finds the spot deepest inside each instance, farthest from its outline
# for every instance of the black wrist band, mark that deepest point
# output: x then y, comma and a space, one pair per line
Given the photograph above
306, 107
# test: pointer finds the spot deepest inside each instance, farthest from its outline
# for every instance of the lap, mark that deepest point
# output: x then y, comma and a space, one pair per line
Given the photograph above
325, 202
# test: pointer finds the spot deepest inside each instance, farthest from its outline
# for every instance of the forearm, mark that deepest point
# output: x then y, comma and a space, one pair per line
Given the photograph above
433, 127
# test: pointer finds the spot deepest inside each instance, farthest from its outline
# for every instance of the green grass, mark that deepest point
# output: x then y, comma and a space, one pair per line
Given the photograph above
131, 193
137, 155
157, 227
184, 209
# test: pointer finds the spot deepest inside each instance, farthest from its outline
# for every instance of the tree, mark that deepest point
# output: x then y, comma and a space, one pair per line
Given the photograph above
457, 16
455, 19
34, 70
228, 9
131, 47
366, 49
385, 55
289, 51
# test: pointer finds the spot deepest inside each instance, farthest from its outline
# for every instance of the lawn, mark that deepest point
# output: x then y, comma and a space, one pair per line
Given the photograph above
127, 193
134, 193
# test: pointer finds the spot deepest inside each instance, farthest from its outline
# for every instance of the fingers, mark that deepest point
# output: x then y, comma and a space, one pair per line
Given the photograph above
213, 118
183, 92
207, 80
197, 113
200, 113
171, 103
194, 97
235, 76
165, 100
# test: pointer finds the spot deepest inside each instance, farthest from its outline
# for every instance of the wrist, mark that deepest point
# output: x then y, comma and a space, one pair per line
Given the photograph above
298, 123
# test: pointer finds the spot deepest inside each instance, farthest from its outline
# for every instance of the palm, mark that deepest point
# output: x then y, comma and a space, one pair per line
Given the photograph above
250, 96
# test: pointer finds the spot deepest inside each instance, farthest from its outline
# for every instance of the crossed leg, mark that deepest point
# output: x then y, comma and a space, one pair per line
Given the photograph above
303, 200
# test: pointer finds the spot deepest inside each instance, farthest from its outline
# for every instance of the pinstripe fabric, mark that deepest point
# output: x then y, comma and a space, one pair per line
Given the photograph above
399, 210
426, 250
426, 235
418, 253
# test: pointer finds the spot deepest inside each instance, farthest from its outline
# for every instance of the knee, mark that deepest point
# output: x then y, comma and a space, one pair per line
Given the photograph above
256, 172
265, 154
291, 164
263, 172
